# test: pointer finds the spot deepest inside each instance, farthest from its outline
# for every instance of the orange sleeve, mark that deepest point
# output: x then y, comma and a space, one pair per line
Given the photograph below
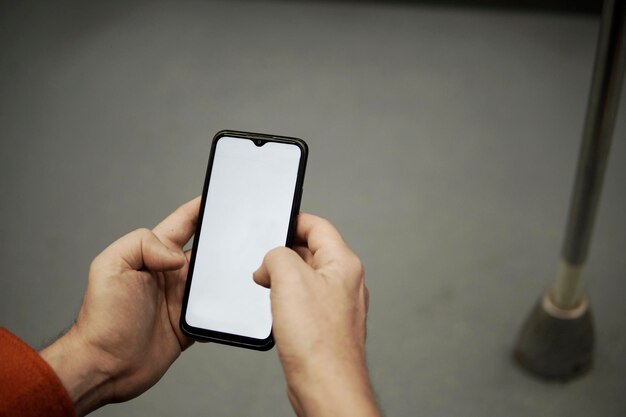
28, 386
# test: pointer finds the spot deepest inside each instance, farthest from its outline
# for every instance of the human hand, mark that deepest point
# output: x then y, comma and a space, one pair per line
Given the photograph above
127, 333
319, 307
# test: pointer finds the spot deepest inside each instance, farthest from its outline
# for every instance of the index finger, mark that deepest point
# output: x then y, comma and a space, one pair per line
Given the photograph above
178, 227
321, 237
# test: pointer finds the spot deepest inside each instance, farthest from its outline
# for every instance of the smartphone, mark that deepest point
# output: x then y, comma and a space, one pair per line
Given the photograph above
250, 202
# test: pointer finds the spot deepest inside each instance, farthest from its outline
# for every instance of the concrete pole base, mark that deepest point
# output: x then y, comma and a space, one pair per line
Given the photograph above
556, 344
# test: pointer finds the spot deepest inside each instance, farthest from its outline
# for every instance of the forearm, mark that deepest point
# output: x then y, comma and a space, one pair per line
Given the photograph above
86, 385
333, 391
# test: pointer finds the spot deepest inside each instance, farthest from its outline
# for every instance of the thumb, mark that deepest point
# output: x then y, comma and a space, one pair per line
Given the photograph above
278, 264
158, 257
142, 249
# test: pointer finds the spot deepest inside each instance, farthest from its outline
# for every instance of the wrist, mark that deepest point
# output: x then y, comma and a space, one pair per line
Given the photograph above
77, 367
333, 388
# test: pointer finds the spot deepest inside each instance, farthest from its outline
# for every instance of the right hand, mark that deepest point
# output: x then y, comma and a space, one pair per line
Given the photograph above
319, 307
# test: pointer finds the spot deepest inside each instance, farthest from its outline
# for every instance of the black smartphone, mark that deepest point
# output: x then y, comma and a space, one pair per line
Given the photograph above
250, 203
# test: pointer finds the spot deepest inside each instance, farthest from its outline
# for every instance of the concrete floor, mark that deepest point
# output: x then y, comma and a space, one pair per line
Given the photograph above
443, 145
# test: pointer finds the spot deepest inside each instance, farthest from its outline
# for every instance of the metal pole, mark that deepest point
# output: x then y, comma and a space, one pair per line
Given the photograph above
557, 338
601, 111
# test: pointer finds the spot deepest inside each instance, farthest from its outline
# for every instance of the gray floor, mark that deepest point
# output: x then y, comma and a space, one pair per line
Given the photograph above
443, 145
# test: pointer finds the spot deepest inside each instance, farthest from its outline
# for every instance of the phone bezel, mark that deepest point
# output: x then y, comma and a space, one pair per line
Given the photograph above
229, 338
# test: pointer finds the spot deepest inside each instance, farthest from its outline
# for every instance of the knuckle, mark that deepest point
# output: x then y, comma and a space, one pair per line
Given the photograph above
319, 221
323, 220
97, 265
93, 265
356, 266
366, 296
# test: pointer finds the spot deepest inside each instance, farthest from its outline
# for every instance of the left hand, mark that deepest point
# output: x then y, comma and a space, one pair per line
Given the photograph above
127, 332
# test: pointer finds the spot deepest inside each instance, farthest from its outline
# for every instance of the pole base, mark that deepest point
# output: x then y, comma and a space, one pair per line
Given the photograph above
556, 344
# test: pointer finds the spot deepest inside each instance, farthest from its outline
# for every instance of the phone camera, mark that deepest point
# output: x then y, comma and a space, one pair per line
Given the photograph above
259, 142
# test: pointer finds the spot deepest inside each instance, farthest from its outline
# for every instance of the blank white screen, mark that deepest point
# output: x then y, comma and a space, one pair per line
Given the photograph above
247, 212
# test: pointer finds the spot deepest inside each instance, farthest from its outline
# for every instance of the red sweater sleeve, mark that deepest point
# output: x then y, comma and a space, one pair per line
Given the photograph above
28, 386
